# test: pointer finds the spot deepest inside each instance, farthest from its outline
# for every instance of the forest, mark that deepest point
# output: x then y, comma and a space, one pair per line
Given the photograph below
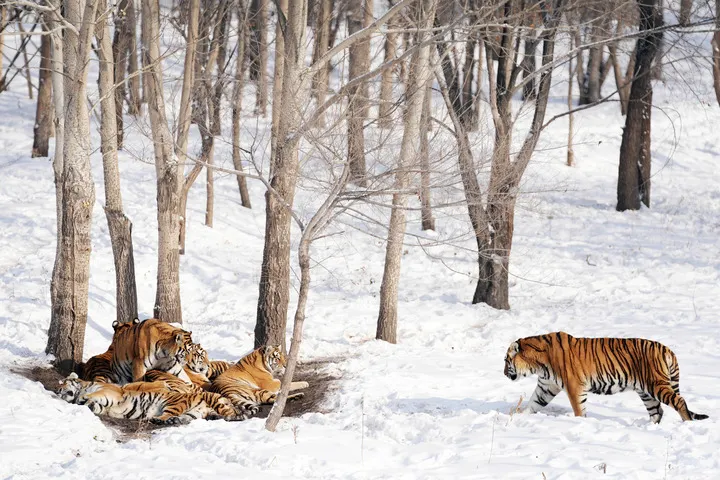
384, 193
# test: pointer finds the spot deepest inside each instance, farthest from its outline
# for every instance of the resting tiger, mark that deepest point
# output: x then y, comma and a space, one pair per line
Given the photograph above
250, 382
98, 368
150, 344
146, 400
598, 365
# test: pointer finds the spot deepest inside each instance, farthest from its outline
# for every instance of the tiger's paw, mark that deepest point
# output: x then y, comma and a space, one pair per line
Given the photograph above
180, 420
296, 396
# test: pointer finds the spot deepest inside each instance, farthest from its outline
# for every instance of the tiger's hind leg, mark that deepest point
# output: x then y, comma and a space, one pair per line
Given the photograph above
653, 407
667, 395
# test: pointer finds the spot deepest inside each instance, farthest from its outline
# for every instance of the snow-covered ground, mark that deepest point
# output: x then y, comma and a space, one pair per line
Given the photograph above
436, 405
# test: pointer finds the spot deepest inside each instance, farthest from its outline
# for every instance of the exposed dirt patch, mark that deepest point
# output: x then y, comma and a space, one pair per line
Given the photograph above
311, 372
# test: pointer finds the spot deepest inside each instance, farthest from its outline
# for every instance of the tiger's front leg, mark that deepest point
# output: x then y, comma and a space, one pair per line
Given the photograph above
544, 392
577, 394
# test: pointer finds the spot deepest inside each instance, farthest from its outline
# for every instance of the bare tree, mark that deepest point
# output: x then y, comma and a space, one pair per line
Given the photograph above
635, 156
71, 274
359, 16
42, 130
242, 20
409, 148
322, 38
386, 81
716, 53
258, 53
119, 225
426, 215
275, 274
167, 168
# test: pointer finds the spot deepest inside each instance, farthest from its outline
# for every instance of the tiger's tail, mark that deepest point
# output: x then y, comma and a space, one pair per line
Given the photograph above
675, 400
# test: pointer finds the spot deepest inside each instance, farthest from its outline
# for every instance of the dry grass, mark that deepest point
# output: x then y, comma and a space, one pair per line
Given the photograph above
125, 430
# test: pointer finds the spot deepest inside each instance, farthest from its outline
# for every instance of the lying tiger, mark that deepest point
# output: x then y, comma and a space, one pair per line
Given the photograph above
598, 365
153, 401
250, 382
150, 344
98, 368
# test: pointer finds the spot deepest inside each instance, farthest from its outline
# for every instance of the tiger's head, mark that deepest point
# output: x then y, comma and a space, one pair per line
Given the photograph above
527, 356
197, 359
273, 358
70, 388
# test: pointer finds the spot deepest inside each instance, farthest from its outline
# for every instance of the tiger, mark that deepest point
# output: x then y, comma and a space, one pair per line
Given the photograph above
150, 344
217, 367
98, 367
250, 381
146, 400
172, 383
598, 365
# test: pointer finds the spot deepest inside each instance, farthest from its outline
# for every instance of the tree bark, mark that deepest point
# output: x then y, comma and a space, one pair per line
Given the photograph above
258, 54
409, 148
570, 152
715, 44
387, 106
528, 92
119, 225
427, 220
66, 334
359, 17
44, 112
242, 14
120, 51
685, 11
634, 171
322, 38
135, 99
167, 299
590, 92
275, 274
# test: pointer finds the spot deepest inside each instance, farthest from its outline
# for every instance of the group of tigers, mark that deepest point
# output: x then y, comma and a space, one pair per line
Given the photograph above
598, 365
153, 370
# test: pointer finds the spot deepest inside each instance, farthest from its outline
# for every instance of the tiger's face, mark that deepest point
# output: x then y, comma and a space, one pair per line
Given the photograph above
274, 358
197, 359
525, 358
180, 347
70, 388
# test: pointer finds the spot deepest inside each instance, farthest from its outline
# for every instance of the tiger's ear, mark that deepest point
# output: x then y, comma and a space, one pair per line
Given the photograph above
514, 349
115, 325
179, 338
136, 321
72, 376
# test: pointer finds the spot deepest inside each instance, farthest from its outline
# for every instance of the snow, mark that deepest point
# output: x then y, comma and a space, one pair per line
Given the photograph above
436, 405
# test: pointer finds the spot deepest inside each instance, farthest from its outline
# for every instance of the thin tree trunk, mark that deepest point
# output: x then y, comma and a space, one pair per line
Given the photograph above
428, 222
3, 16
259, 54
66, 334
322, 37
715, 44
278, 77
119, 225
359, 17
167, 299
468, 70
59, 123
275, 273
185, 116
570, 152
44, 112
528, 92
634, 171
685, 11
619, 79
409, 148
590, 93
121, 46
25, 58
242, 14
135, 100
386, 106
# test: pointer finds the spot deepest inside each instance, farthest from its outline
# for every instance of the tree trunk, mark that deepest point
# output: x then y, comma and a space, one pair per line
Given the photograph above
529, 68
715, 43
619, 79
220, 37
185, 116
386, 106
167, 299
242, 14
590, 93
258, 54
135, 99
3, 16
467, 96
570, 152
120, 51
119, 225
359, 17
275, 274
322, 38
634, 171
409, 149
428, 222
25, 41
685, 11
278, 76
44, 112
66, 334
